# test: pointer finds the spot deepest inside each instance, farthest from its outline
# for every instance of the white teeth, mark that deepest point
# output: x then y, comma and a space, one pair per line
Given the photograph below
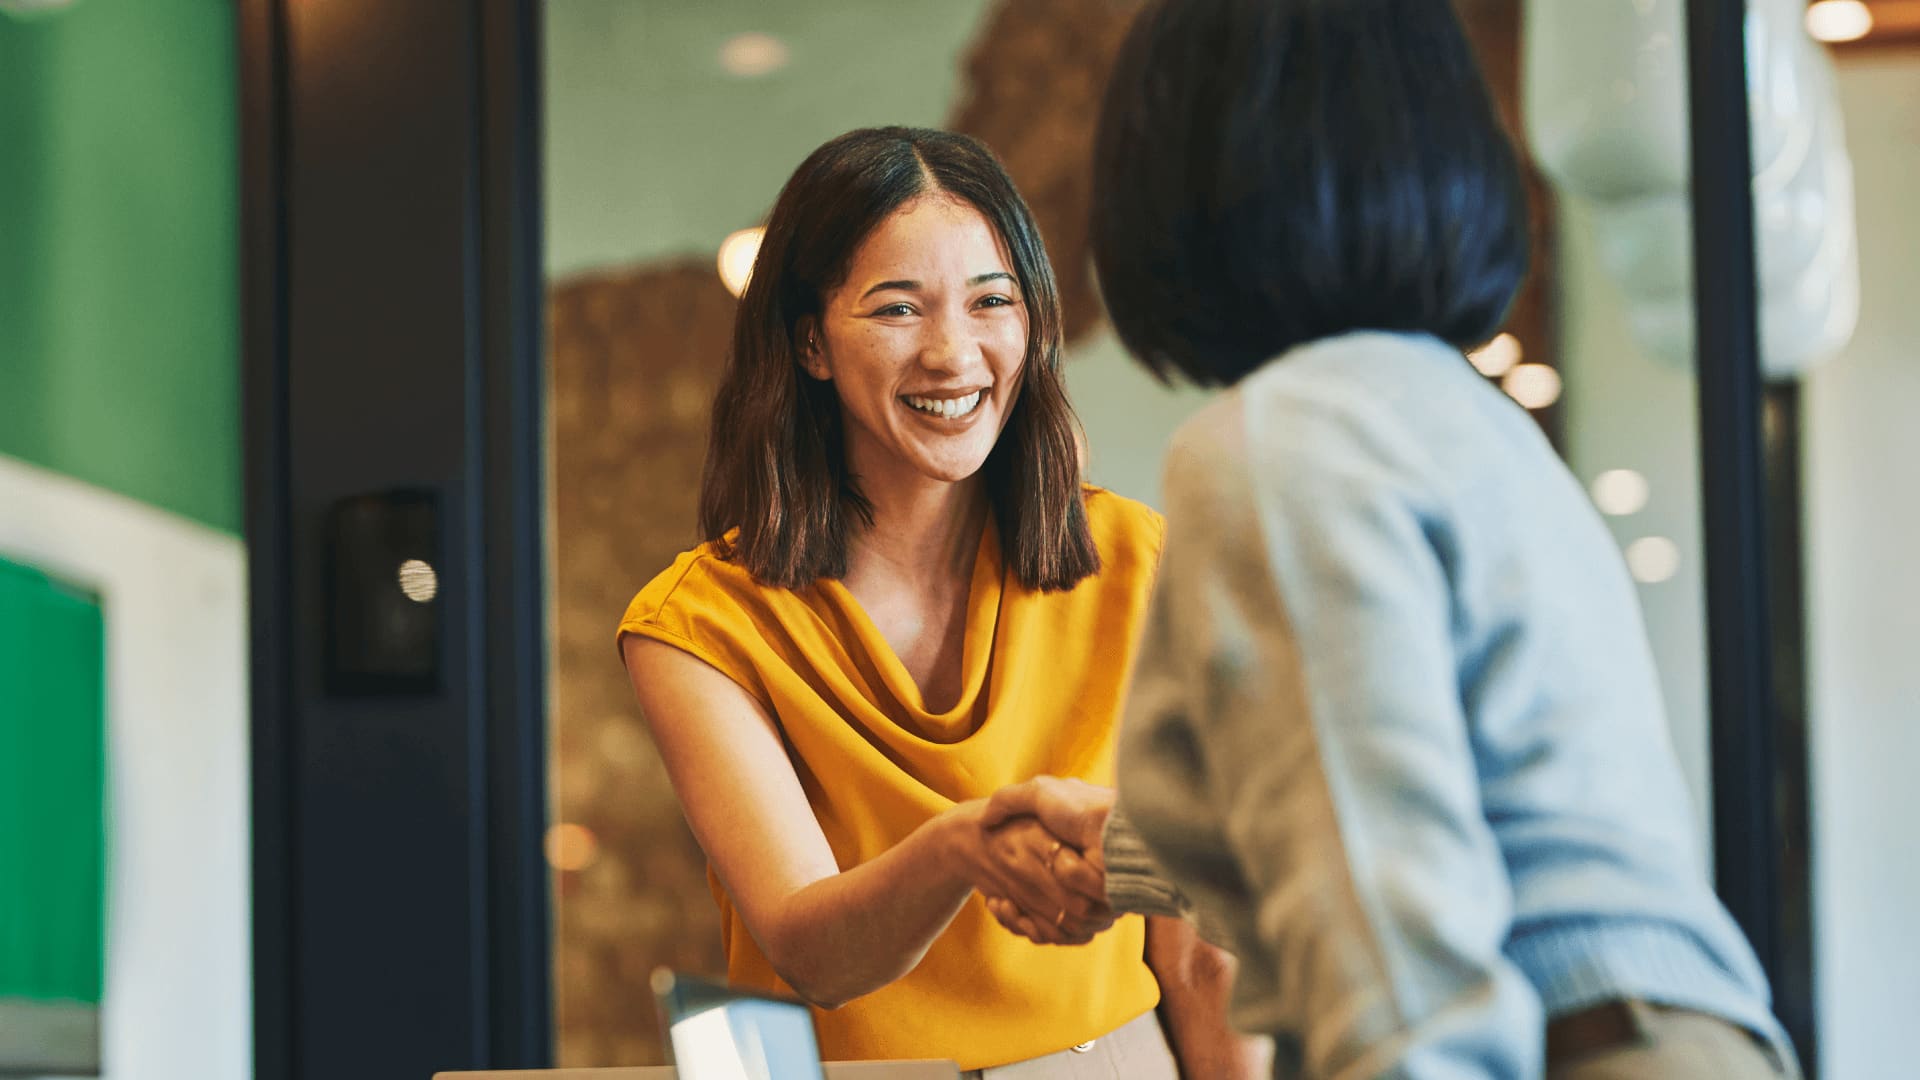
946, 407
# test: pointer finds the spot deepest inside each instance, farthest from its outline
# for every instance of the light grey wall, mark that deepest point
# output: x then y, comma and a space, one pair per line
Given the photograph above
1625, 410
1863, 517
653, 149
1129, 416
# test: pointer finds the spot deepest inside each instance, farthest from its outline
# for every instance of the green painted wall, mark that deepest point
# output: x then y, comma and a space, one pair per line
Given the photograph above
53, 794
119, 303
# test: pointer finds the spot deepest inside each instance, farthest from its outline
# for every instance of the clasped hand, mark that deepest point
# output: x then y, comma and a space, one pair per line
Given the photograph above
1044, 877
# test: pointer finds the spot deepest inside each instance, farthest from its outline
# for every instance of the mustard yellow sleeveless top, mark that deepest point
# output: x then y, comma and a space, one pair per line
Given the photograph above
1044, 678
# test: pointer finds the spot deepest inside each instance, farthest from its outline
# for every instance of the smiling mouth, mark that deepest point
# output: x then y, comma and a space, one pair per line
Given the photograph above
945, 408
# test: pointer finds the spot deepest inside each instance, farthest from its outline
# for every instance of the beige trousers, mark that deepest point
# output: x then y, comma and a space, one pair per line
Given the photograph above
1678, 1044
1136, 1050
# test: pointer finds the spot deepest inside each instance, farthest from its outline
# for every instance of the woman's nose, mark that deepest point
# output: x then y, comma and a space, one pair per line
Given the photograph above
952, 345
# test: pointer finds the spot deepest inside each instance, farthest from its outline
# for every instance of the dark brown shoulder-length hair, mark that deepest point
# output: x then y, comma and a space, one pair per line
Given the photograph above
776, 468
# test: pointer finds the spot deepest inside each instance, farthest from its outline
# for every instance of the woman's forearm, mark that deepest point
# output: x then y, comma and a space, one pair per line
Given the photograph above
855, 932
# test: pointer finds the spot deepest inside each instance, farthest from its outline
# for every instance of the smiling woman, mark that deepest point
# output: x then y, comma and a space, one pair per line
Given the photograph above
897, 263
927, 366
893, 510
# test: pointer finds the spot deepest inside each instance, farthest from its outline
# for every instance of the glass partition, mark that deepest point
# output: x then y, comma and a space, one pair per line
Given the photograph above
670, 128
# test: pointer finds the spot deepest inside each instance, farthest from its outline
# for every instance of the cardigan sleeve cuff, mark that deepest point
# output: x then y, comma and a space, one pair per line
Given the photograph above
1134, 884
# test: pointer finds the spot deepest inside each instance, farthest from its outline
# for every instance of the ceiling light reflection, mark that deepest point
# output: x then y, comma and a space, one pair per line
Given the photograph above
1653, 559
1618, 492
737, 253
750, 56
1835, 21
571, 847
1534, 386
1496, 357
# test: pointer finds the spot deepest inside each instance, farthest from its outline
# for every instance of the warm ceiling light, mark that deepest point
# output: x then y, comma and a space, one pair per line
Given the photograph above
1653, 559
1835, 21
1534, 386
1620, 491
571, 847
737, 253
1496, 357
750, 56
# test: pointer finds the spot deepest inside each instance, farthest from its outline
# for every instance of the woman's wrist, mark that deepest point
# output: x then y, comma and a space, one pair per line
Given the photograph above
960, 841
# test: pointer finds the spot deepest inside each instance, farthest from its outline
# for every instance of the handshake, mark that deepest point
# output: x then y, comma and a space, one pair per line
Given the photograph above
1039, 864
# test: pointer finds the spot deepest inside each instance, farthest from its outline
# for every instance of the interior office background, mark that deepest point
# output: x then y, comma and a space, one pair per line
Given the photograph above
120, 454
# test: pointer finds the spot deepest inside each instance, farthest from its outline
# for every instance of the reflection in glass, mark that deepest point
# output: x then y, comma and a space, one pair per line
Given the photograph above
670, 127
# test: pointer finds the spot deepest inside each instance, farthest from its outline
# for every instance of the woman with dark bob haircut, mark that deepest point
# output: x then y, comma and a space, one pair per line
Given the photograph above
905, 601
1395, 726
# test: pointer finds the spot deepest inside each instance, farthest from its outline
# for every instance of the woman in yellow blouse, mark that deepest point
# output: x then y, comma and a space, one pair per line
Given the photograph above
907, 600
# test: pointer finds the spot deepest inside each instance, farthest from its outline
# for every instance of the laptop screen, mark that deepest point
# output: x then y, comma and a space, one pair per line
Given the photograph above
726, 1035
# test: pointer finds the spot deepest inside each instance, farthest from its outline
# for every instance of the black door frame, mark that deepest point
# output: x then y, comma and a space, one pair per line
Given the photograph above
492, 1005
401, 895
1751, 507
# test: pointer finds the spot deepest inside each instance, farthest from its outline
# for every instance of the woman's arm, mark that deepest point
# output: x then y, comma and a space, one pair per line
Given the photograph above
1196, 982
831, 935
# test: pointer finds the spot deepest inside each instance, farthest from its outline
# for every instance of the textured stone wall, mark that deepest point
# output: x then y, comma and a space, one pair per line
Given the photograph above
634, 359
1036, 76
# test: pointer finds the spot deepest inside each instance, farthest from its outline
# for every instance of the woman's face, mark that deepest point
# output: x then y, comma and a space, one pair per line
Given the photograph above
924, 343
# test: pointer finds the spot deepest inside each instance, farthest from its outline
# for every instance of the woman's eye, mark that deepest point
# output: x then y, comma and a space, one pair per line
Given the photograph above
996, 301
895, 309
